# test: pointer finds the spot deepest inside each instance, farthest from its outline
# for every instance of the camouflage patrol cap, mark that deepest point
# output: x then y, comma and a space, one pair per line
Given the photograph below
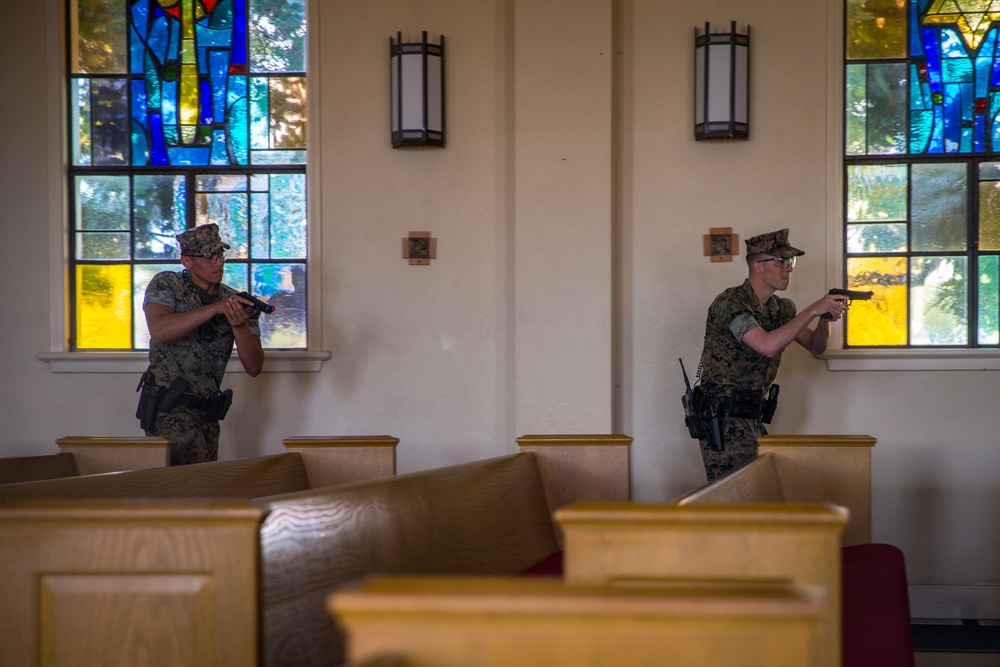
773, 243
202, 240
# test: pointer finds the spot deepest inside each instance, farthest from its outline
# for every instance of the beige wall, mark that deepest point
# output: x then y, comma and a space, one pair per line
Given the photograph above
569, 208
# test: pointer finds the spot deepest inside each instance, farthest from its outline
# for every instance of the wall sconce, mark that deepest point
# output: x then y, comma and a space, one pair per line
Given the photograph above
721, 84
417, 78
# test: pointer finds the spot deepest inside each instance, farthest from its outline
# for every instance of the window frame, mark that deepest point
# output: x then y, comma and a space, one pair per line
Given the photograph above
59, 357
837, 357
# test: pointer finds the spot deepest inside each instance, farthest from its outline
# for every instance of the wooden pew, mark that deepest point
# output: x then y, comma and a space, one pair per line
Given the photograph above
804, 469
653, 543
755, 523
481, 517
234, 478
157, 583
87, 455
542, 622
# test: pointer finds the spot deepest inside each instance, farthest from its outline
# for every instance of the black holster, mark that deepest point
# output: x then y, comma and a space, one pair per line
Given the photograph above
217, 406
770, 404
149, 401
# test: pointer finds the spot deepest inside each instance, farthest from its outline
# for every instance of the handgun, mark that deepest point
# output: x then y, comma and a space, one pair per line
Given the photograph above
257, 303
851, 295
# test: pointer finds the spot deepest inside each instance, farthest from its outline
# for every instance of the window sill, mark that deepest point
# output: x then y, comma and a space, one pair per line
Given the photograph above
912, 360
136, 362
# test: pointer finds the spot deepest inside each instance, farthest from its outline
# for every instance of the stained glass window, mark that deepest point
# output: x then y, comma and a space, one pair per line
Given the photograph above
922, 172
182, 113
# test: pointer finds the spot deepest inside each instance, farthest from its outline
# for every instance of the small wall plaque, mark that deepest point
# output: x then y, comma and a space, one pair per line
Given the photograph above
721, 244
419, 248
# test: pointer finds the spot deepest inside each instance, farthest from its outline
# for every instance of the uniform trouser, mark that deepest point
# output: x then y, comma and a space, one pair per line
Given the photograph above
191, 438
739, 446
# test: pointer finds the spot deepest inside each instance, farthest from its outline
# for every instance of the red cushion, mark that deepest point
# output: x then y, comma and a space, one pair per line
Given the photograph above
876, 607
551, 566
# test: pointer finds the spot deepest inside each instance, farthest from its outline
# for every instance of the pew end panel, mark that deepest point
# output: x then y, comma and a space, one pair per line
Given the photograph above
650, 543
333, 460
827, 468
577, 468
494, 622
116, 582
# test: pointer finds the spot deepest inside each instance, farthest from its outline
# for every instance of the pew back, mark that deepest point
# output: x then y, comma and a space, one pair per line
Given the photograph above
493, 622
157, 583
237, 478
483, 517
803, 469
86, 455
657, 544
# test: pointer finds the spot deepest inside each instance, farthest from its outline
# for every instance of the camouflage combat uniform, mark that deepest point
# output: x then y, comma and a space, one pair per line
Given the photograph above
728, 364
201, 362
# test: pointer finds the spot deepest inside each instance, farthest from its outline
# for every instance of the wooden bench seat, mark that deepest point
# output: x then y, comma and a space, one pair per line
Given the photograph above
494, 622
86, 455
481, 517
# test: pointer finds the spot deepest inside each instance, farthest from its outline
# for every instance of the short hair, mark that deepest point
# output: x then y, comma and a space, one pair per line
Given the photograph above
756, 257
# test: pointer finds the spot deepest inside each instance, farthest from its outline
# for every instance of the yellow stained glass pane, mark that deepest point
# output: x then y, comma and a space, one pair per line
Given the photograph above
883, 320
98, 37
103, 307
288, 111
876, 29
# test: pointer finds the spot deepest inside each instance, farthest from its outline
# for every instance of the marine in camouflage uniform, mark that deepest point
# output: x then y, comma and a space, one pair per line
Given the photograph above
747, 329
194, 321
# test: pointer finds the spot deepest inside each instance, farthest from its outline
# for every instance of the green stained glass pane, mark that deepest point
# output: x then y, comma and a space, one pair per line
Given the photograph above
876, 238
102, 245
886, 104
988, 332
288, 112
876, 193
939, 301
856, 110
102, 202
284, 287
159, 206
883, 319
100, 36
142, 274
875, 29
939, 206
103, 306
229, 211
277, 35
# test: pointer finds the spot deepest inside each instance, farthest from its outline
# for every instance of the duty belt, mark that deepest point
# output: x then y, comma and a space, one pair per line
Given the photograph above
194, 402
744, 403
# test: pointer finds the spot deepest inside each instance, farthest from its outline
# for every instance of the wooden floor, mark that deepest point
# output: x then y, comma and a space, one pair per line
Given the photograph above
935, 659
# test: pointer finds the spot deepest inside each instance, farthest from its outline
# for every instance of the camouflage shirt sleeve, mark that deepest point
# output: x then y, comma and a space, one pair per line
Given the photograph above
742, 323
